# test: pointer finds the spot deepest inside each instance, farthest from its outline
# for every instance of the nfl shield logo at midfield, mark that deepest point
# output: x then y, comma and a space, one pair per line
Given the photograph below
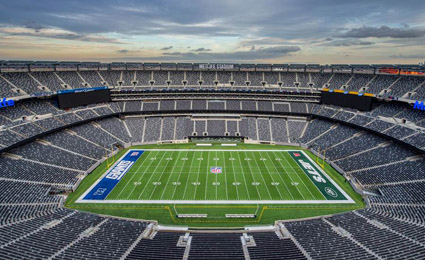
215, 169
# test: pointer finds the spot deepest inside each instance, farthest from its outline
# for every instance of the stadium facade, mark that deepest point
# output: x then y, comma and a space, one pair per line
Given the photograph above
67, 115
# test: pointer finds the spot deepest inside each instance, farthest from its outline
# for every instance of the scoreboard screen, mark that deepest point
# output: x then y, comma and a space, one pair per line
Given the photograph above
363, 103
82, 97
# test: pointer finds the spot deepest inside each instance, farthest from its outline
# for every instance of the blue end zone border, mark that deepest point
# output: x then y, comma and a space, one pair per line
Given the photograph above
111, 178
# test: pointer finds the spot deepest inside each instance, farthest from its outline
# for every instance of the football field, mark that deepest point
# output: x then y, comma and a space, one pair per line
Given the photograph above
220, 176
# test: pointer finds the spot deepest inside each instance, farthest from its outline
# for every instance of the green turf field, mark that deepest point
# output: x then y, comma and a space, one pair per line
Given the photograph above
274, 182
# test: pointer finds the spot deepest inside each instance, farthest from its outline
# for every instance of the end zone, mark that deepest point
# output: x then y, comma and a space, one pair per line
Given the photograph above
102, 187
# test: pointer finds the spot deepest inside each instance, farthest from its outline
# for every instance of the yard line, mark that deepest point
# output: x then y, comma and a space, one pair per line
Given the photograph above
271, 175
246, 184
225, 175
178, 179
197, 178
175, 162
135, 173
206, 180
151, 175
262, 177
280, 176
237, 193
169, 177
216, 177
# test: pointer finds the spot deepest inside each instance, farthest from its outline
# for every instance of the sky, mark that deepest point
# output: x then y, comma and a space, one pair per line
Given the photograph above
216, 31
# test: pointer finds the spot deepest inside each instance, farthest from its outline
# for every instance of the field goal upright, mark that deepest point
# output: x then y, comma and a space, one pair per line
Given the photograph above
321, 157
109, 160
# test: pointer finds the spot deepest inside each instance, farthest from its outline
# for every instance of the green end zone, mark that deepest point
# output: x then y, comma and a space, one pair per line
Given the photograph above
272, 183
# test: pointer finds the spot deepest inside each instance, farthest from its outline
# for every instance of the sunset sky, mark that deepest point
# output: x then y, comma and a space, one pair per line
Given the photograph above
259, 31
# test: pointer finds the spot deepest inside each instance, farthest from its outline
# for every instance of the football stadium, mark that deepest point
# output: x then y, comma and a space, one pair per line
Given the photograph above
208, 154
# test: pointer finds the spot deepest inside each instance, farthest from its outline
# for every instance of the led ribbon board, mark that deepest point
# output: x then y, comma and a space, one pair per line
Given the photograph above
419, 105
6, 103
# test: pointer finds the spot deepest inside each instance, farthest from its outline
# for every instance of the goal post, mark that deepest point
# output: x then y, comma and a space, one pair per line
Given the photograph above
321, 156
109, 160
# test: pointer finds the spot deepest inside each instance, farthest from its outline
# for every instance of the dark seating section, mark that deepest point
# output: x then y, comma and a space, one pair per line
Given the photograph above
33, 224
270, 246
162, 246
216, 246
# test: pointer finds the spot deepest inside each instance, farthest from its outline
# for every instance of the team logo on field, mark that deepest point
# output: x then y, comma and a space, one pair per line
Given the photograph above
331, 192
216, 170
100, 191
134, 154
296, 154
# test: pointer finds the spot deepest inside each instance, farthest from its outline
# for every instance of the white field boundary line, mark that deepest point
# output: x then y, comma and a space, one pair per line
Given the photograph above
81, 200
217, 201
349, 199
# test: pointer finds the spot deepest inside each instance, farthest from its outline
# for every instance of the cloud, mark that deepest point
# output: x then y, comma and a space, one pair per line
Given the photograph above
123, 51
348, 42
202, 49
166, 48
410, 56
250, 55
216, 25
35, 25
383, 32
54, 33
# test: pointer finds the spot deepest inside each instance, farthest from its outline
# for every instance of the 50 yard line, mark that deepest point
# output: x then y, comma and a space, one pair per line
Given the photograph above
197, 177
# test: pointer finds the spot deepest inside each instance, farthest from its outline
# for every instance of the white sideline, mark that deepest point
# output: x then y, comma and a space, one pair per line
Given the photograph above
217, 150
